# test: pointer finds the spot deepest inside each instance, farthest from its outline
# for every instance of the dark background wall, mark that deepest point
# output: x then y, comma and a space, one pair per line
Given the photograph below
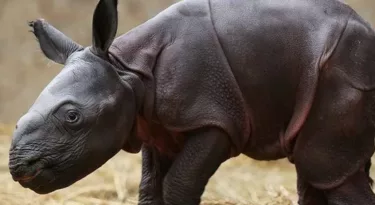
24, 71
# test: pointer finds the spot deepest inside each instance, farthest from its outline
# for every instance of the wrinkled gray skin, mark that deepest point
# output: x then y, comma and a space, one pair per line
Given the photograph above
269, 79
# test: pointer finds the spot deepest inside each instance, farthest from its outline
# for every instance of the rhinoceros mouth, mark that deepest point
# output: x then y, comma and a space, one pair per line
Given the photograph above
28, 178
37, 181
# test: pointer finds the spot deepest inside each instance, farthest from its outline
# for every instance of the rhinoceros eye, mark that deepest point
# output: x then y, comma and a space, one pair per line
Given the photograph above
72, 116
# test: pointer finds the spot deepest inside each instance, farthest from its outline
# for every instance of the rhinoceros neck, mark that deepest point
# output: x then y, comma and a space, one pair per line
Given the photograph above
136, 52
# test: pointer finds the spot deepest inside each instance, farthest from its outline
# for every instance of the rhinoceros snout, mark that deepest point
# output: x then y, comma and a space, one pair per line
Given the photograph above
24, 157
24, 169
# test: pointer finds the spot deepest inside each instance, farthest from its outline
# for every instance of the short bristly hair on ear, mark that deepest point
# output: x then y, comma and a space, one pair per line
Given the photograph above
54, 44
104, 26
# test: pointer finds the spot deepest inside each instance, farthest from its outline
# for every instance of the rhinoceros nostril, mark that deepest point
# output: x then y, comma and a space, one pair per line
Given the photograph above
32, 161
19, 162
17, 170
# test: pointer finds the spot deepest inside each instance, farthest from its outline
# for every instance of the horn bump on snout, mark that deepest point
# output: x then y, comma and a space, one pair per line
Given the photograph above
26, 125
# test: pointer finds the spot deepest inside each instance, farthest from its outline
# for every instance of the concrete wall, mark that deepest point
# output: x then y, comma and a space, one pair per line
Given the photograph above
24, 71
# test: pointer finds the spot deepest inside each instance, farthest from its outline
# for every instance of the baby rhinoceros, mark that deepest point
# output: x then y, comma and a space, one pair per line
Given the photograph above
200, 83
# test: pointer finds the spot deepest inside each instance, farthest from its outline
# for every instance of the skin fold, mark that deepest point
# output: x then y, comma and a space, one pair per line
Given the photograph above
200, 83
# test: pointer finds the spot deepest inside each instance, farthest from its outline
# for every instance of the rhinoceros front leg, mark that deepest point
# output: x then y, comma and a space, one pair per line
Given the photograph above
154, 169
201, 156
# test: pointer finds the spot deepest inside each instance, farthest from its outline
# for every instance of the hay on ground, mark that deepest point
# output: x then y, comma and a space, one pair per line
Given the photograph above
239, 181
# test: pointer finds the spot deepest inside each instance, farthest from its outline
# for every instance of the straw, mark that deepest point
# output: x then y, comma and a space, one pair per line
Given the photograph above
239, 181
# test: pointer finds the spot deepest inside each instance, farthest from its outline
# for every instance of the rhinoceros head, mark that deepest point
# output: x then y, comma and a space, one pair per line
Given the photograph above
84, 115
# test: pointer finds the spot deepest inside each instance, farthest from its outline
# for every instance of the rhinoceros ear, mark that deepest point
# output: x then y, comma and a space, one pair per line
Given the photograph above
104, 25
54, 44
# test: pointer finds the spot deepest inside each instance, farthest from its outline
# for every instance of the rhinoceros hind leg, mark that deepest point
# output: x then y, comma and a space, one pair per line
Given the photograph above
354, 190
367, 170
308, 195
